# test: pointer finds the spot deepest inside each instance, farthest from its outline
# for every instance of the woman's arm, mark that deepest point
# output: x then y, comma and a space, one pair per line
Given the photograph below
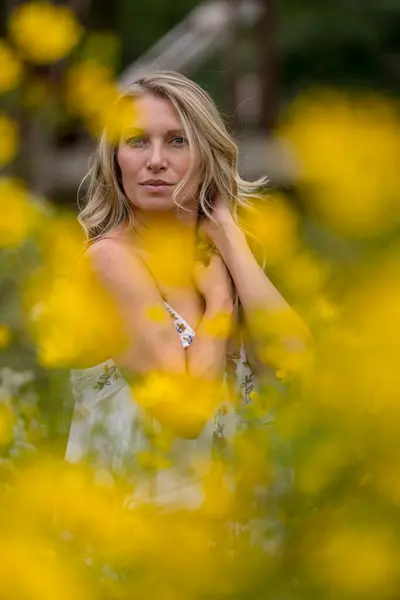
153, 349
150, 344
206, 354
266, 313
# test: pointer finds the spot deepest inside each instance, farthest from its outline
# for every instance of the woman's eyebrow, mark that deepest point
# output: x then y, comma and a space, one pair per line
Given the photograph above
138, 131
133, 131
175, 132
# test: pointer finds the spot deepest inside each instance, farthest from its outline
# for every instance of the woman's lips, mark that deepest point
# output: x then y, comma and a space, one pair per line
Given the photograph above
151, 187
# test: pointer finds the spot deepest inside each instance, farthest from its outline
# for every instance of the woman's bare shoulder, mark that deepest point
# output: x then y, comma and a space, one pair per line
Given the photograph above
114, 256
118, 235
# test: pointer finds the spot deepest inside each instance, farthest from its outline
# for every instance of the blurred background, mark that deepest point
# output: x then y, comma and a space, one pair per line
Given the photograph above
253, 56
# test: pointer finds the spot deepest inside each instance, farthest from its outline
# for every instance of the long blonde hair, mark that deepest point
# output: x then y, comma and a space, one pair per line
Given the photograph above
105, 204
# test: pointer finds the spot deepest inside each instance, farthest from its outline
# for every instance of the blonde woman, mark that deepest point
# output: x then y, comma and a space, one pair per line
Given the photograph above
171, 180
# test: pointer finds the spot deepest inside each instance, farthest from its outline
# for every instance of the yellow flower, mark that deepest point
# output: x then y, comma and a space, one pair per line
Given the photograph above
89, 86
254, 464
6, 424
326, 458
119, 117
218, 496
72, 318
156, 314
292, 418
17, 213
8, 139
162, 246
93, 94
5, 336
182, 402
347, 159
31, 569
356, 561
11, 68
218, 326
274, 325
324, 310
287, 362
73, 321
274, 226
283, 342
304, 275
44, 33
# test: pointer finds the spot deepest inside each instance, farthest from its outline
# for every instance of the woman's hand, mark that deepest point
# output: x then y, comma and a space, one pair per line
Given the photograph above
214, 283
214, 231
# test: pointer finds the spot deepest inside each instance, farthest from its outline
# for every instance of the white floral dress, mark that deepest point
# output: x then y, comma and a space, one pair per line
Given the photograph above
113, 433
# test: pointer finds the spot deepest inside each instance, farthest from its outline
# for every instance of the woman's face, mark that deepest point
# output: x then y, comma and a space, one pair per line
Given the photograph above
154, 156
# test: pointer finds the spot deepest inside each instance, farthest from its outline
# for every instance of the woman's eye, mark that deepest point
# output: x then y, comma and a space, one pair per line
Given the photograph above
136, 141
179, 140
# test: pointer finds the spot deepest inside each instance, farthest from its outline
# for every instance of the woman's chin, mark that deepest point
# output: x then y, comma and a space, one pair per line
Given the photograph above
154, 201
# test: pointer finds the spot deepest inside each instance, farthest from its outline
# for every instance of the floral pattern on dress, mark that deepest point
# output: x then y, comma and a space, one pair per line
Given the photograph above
186, 333
247, 384
109, 374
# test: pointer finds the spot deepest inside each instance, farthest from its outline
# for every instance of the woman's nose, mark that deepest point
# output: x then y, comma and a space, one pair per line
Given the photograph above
157, 157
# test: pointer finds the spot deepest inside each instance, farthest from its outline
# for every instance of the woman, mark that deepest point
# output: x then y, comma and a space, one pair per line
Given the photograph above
170, 180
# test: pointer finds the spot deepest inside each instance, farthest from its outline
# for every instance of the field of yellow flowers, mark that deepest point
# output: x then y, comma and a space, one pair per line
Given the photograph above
314, 512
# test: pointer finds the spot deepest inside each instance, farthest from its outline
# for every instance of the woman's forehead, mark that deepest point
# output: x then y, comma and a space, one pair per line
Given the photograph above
156, 115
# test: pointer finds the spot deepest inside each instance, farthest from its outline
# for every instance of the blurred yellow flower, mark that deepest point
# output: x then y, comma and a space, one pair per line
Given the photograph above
219, 325
6, 424
288, 362
377, 285
31, 569
156, 314
292, 419
93, 94
5, 336
162, 245
325, 460
273, 225
253, 460
90, 88
8, 139
283, 342
218, 491
11, 68
304, 274
347, 151
119, 117
356, 561
73, 320
69, 493
182, 402
274, 325
385, 476
18, 213
323, 309
74, 323
44, 33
